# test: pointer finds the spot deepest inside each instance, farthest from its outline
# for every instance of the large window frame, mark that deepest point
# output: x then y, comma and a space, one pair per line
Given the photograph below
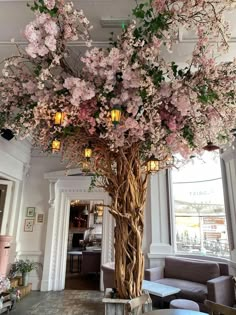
223, 252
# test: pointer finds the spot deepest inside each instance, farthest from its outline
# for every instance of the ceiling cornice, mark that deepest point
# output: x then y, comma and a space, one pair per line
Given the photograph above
70, 44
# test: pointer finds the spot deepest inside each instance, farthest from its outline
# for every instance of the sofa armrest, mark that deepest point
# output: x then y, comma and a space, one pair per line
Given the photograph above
154, 274
221, 290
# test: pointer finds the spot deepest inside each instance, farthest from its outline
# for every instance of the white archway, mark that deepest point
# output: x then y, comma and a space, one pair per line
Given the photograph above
63, 189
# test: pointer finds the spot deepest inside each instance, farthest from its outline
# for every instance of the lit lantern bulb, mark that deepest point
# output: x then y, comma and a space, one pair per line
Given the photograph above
59, 118
116, 115
88, 152
56, 145
152, 165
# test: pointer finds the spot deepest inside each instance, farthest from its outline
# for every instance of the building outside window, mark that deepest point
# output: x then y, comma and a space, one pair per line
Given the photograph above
200, 220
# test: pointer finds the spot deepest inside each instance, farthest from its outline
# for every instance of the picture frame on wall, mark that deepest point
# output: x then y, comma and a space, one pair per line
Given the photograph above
40, 218
29, 224
30, 212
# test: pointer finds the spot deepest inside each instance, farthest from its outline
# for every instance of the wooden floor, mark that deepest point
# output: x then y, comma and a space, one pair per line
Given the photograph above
76, 281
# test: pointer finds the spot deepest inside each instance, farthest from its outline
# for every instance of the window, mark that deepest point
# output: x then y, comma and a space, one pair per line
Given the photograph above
200, 221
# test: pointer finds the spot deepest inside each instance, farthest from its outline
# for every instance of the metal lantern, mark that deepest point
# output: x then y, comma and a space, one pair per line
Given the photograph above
88, 152
169, 161
99, 209
116, 115
210, 147
56, 145
85, 167
152, 164
59, 118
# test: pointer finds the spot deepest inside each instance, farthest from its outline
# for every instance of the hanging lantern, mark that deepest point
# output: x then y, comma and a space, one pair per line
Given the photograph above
56, 145
116, 115
99, 209
169, 161
85, 167
88, 152
59, 118
210, 147
152, 164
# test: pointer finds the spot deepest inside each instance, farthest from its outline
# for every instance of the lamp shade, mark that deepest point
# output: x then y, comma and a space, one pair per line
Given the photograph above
7, 134
59, 118
210, 146
152, 164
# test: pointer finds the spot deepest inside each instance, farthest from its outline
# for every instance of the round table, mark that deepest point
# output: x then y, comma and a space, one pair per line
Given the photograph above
174, 312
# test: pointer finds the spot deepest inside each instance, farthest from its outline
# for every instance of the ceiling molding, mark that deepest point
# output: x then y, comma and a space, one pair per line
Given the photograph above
191, 40
70, 44
75, 1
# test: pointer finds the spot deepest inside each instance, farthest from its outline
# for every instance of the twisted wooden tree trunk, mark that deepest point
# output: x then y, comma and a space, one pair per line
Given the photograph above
128, 203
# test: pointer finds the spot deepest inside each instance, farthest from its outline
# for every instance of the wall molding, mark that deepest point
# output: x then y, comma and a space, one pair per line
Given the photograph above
29, 253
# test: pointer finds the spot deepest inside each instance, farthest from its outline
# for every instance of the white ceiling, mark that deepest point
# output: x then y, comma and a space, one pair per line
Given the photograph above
14, 15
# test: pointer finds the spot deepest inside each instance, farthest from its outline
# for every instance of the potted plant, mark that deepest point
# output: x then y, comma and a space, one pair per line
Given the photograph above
25, 267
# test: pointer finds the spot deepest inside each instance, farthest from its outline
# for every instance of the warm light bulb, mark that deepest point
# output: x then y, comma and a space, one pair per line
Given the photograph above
56, 145
116, 115
59, 118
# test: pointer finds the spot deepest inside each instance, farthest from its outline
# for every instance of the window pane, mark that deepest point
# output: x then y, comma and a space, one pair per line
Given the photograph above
200, 222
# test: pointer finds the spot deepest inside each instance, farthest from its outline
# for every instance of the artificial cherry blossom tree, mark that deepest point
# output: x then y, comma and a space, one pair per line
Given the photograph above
165, 109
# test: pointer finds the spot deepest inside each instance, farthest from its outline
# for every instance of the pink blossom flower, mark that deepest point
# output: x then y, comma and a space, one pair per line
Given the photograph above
50, 4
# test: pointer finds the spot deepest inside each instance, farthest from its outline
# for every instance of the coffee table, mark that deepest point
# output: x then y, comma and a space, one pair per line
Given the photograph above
159, 289
174, 312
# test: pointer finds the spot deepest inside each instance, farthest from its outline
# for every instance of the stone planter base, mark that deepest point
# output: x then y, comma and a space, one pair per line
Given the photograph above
118, 306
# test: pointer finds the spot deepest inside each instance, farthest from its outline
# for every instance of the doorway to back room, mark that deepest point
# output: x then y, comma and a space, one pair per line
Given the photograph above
84, 245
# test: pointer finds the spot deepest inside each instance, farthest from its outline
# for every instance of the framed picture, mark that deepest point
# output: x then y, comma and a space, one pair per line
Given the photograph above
40, 218
29, 223
30, 212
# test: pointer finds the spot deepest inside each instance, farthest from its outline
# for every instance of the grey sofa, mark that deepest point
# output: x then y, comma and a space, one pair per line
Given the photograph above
198, 280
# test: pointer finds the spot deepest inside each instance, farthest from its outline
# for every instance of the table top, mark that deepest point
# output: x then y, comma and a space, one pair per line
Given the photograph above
159, 289
74, 252
174, 312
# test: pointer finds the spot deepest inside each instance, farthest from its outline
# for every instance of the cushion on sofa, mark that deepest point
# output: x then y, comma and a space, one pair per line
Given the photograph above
189, 290
187, 269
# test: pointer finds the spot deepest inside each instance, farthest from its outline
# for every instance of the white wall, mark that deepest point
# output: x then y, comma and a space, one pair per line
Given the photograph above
36, 194
14, 165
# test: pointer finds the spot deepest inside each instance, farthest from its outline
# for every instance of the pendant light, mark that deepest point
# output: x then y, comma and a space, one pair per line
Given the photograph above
116, 115
56, 145
210, 147
59, 118
152, 165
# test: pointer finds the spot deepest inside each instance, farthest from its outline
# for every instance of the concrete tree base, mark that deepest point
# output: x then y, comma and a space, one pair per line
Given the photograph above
118, 306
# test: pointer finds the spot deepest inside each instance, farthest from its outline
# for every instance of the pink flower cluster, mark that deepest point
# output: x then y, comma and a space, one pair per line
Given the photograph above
42, 35
164, 109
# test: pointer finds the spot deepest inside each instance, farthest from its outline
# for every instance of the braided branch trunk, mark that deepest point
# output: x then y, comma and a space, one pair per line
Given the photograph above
128, 209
